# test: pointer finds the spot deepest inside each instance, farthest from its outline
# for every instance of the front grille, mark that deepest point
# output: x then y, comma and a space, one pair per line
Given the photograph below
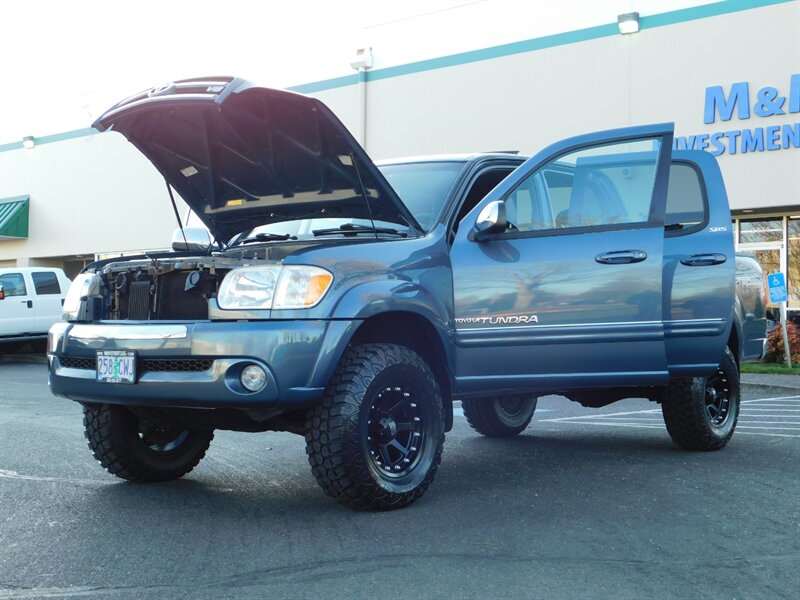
71, 362
174, 365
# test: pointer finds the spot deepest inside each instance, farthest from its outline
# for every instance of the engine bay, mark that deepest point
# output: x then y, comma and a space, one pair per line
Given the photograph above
159, 289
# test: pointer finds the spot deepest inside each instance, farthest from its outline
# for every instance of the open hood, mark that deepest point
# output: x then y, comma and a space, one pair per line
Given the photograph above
242, 155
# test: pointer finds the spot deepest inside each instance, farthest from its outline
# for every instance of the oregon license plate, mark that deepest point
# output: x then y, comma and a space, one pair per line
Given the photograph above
116, 366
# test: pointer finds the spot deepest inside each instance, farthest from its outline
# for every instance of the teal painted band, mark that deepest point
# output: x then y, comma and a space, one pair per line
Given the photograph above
56, 137
560, 39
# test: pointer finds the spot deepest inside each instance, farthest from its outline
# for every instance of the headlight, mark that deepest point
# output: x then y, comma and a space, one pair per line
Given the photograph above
82, 287
293, 286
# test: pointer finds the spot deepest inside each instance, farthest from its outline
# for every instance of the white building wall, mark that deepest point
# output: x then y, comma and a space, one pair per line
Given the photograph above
529, 100
90, 194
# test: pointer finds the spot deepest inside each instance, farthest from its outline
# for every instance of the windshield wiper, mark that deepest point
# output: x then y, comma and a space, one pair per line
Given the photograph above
265, 237
353, 229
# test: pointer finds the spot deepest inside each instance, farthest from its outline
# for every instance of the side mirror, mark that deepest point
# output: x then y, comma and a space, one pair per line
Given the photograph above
191, 239
2, 292
492, 219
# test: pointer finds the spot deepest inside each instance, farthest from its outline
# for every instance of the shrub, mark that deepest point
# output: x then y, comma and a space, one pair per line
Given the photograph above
775, 352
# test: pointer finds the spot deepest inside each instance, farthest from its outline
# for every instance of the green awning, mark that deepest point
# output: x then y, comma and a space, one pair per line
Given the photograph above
14, 217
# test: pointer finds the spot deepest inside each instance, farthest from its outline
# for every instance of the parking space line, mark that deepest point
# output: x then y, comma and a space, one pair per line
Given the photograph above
796, 397
758, 416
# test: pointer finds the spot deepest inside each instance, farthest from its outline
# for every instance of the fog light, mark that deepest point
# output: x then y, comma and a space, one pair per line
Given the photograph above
253, 378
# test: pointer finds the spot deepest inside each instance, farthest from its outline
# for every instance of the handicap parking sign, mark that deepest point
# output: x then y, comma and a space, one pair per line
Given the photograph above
777, 288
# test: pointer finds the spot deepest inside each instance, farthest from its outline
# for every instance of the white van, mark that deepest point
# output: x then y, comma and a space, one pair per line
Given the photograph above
30, 301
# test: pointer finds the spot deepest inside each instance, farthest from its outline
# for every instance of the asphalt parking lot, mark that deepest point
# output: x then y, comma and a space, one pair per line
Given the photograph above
585, 504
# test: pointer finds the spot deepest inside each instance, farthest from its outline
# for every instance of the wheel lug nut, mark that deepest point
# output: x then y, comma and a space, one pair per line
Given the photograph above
396, 389
406, 394
406, 460
397, 468
413, 405
416, 419
413, 448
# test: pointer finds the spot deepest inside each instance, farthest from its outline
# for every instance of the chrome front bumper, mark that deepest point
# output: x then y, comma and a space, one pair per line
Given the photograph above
192, 364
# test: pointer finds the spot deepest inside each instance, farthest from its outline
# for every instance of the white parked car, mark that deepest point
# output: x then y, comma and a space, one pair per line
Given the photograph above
30, 301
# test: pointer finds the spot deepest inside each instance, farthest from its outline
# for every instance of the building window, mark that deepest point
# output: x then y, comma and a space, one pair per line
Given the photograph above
793, 261
753, 231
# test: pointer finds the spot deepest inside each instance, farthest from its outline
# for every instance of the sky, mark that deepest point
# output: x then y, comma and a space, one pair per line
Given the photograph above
63, 62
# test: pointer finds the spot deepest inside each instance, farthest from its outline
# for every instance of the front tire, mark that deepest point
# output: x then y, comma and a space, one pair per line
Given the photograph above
136, 450
375, 441
504, 416
701, 413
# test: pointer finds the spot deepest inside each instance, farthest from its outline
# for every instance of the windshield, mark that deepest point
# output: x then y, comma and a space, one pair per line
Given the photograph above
422, 186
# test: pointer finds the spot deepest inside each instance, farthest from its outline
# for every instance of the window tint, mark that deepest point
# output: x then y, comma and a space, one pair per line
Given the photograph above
46, 283
685, 205
13, 284
611, 184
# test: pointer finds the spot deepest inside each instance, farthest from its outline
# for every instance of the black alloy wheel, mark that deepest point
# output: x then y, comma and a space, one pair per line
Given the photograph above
395, 432
140, 450
502, 416
718, 399
376, 439
701, 412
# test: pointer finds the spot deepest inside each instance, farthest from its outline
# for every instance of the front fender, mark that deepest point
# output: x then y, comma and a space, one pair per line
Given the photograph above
375, 298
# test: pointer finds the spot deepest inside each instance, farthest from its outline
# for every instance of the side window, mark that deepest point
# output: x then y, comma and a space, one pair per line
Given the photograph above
599, 186
686, 206
45, 282
13, 284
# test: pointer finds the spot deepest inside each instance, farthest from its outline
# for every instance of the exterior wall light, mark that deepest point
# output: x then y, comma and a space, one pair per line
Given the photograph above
628, 23
28, 142
363, 59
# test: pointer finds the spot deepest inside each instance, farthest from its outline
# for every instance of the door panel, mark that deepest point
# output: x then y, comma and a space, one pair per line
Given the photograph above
16, 309
570, 296
47, 299
699, 265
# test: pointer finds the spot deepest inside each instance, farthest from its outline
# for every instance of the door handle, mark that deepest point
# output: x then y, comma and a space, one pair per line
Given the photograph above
703, 260
28, 302
621, 257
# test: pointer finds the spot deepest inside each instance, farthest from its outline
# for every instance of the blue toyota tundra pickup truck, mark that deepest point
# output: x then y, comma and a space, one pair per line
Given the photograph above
353, 303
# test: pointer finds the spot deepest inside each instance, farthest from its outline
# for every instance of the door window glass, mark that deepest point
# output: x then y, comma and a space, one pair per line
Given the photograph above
13, 284
753, 231
604, 185
46, 283
685, 205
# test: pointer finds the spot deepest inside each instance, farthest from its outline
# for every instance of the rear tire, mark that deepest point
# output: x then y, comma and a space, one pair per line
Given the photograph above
701, 412
500, 417
375, 441
139, 451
